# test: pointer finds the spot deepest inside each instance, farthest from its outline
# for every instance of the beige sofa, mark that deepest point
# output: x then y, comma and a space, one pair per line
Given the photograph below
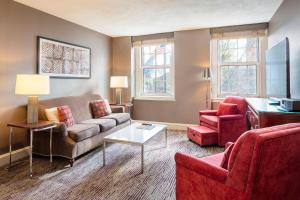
87, 134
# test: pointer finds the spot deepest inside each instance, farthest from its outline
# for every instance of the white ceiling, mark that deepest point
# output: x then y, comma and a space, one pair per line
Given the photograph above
140, 17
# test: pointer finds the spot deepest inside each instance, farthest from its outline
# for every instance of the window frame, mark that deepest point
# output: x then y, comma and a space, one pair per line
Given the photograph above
139, 67
215, 59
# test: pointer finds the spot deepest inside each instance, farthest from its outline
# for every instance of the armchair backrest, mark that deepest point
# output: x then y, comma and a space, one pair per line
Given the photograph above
265, 163
240, 101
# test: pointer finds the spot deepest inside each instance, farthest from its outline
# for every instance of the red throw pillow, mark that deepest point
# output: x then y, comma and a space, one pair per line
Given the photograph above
227, 152
227, 109
65, 115
100, 108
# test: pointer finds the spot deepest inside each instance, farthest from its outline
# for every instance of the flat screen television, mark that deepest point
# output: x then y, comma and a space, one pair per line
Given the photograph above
278, 70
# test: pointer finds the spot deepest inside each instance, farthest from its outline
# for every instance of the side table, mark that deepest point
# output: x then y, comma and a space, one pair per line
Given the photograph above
40, 126
127, 107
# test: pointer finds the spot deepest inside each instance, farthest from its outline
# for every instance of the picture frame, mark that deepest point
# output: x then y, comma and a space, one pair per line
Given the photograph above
60, 59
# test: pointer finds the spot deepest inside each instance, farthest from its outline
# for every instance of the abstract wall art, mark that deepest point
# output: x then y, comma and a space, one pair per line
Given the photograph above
63, 60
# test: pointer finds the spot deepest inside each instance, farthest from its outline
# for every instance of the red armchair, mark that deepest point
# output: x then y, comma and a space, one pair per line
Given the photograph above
263, 164
218, 128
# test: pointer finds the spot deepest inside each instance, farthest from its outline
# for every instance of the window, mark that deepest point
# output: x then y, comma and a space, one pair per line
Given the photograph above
237, 66
154, 69
238, 61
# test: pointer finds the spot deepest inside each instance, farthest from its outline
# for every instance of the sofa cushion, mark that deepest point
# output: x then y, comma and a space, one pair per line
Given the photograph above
227, 109
119, 117
65, 115
104, 124
79, 132
100, 108
211, 120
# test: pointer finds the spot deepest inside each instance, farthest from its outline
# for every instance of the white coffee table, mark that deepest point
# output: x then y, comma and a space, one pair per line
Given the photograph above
134, 136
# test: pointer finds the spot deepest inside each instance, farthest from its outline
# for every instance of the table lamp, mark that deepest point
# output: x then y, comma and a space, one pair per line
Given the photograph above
32, 85
118, 82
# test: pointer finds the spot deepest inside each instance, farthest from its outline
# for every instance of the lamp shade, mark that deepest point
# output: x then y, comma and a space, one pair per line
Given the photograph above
32, 84
118, 82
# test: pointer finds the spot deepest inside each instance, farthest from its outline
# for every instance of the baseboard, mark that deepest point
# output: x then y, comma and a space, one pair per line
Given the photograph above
171, 126
15, 156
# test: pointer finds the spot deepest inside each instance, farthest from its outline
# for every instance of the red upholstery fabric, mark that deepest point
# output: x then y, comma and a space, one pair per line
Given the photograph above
215, 128
228, 127
215, 160
208, 112
100, 108
65, 115
211, 120
227, 109
202, 135
263, 164
239, 101
227, 153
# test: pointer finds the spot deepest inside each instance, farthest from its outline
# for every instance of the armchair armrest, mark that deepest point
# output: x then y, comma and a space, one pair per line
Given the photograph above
230, 128
228, 144
230, 117
117, 109
200, 167
208, 112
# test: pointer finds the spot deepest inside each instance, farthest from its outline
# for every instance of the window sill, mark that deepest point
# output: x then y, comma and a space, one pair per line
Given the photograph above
217, 99
155, 98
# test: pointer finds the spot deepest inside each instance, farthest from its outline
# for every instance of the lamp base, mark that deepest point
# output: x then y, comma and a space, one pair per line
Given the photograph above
119, 96
32, 110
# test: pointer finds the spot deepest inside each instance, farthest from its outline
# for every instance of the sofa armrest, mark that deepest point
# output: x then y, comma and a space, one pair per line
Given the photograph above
117, 109
200, 167
208, 112
61, 129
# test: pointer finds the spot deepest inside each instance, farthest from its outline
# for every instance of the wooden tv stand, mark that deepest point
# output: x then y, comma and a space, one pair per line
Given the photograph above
261, 114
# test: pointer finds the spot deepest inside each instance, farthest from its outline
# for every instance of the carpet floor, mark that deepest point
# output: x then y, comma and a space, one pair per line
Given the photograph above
120, 178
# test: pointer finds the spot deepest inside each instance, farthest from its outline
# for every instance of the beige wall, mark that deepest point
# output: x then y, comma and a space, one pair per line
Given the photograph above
286, 23
192, 50
121, 58
19, 28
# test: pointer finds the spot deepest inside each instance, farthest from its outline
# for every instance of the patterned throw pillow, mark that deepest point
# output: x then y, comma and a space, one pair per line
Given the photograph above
100, 108
65, 115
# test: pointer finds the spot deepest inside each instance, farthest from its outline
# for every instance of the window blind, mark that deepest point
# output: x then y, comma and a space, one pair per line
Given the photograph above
251, 30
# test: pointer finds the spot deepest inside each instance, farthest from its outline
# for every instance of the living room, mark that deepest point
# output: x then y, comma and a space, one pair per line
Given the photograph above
149, 99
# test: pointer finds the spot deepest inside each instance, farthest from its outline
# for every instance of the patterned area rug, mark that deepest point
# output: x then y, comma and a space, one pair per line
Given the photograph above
119, 179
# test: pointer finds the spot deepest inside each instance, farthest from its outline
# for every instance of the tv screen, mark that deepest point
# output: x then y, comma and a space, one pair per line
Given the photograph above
278, 70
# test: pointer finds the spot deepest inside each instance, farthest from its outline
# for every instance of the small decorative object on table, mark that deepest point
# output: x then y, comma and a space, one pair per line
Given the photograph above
40, 126
146, 126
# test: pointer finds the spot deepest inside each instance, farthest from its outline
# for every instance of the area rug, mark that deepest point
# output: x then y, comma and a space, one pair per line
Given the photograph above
119, 179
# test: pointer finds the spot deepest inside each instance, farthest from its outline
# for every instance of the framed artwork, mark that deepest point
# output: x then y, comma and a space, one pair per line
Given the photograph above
63, 60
